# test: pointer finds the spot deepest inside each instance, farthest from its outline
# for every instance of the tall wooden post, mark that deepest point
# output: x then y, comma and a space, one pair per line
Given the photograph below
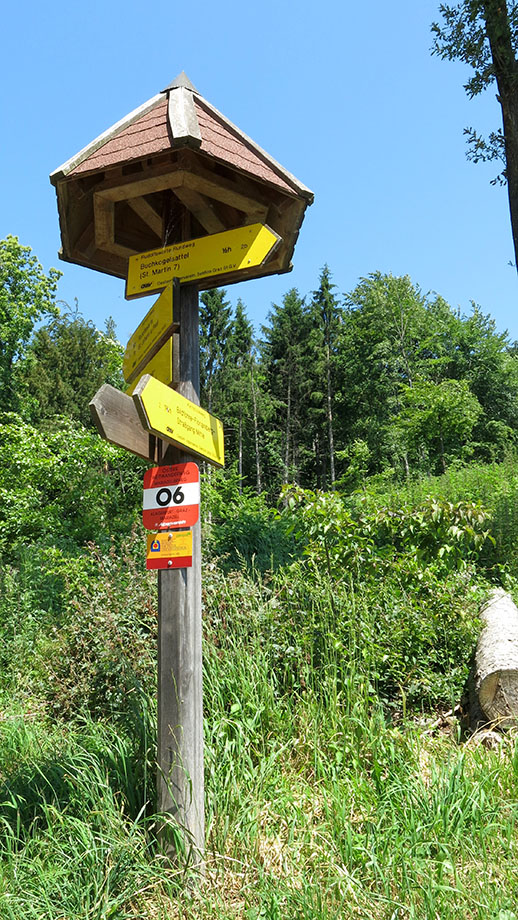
180, 703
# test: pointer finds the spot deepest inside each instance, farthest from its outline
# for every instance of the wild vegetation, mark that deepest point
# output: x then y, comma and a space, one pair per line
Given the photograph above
347, 548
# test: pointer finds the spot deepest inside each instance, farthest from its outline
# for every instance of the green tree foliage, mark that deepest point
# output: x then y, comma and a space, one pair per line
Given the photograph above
69, 360
215, 326
437, 419
326, 317
286, 359
27, 295
65, 486
484, 35
394, 340
240, 415
383, 344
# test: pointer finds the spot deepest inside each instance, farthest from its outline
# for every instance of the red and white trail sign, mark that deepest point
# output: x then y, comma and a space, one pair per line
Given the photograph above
171, 496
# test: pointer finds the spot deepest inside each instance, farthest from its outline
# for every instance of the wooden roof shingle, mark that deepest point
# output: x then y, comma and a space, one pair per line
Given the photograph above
148, 131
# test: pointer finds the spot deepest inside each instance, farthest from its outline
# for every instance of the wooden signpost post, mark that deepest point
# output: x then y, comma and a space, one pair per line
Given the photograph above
180, 692
175, 199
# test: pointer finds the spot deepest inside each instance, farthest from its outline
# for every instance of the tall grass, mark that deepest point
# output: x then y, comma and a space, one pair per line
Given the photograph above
334, 786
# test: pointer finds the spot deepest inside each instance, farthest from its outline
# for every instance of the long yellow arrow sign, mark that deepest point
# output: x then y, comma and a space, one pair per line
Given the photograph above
216, 254
170, 416
159, 323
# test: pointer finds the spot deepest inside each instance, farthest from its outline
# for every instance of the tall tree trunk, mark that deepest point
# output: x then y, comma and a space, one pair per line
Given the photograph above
256, 434
330, 419
240, 451
505, 67
405, 464
287, 435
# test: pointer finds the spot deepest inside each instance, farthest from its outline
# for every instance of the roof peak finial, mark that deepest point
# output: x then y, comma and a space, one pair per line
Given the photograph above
181, 80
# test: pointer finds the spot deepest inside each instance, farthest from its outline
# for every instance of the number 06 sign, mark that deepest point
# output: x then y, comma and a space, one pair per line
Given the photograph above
171, 496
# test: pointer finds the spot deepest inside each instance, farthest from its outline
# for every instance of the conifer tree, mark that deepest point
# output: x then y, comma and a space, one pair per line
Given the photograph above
285, 351
215, 326
239, 391
326, 318
68, 360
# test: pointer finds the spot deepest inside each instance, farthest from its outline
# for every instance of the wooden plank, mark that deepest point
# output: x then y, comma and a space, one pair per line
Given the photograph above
201, 164
202, 209
182, 118
180, 688
222, 190
85, 243
136, 188
147, 214
104, 217
117, 421
104, 220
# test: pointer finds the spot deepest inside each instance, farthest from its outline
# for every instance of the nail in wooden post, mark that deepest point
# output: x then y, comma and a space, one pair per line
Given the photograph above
180, 705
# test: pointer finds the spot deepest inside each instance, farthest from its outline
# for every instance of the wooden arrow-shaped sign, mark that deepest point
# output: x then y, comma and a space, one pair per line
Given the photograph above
202, 258
117, 420
171, 416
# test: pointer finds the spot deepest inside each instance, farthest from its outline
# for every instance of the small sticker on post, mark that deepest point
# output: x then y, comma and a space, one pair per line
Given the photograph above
169, 550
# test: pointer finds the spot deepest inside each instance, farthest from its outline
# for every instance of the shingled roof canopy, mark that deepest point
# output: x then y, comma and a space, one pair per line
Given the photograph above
172, 170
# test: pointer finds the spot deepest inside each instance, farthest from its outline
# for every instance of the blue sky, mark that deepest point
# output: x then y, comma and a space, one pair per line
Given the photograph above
345, 95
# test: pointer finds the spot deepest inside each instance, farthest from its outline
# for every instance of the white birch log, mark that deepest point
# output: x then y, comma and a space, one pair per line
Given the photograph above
496, 660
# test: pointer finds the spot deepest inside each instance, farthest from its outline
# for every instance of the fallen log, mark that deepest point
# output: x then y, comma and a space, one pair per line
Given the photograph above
495, 680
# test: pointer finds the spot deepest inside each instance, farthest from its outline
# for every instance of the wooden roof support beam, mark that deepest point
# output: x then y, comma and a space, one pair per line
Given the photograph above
142, 186
201, 208
147, 214
222, 190
104, 217
85, 243
104, 220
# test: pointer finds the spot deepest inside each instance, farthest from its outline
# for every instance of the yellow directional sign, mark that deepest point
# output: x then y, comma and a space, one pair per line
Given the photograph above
157, 324
160, 367
170, 416
216, 254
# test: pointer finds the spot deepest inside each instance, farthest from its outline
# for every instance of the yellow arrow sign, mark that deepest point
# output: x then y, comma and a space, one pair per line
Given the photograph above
170, 416
207, 256
160, 367
149, 335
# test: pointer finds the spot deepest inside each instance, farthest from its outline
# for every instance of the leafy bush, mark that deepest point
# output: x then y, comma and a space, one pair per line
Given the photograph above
65, 484
240, 528
102, 655
371, 540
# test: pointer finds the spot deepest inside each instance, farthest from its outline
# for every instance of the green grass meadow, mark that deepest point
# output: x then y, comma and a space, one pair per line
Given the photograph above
341, 781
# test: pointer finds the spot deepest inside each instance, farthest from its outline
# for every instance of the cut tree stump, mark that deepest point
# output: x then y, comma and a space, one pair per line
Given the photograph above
495, 677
